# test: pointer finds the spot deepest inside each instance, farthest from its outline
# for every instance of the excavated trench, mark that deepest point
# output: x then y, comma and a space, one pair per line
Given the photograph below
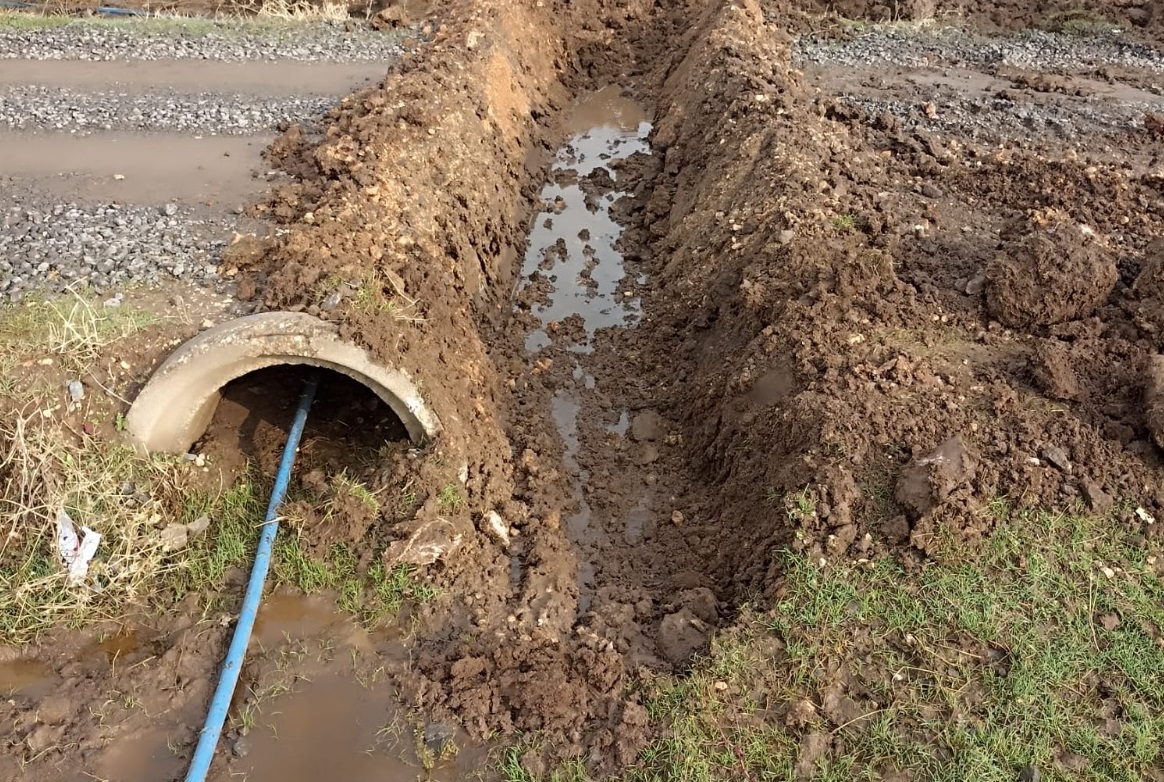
583, 548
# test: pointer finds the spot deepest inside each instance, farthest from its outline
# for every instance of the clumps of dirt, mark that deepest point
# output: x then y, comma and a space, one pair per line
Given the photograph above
1049, 270
1053, 371
1149, 291
1154, 399
845, 256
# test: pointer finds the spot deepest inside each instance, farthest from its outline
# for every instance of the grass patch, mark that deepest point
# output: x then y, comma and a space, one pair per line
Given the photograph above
845, 222
42, 472
451, 498
129, 499
1081, 23
1042, 649
71, 331
24, 20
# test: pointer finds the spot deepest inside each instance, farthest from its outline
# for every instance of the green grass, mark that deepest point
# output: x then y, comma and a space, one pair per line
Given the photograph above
845, 222
451, 498
967, 670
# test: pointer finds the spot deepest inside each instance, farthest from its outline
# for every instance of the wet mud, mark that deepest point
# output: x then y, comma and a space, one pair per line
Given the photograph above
682, 309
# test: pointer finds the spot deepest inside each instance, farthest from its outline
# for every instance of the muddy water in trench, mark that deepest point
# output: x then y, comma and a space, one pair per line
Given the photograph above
333, 722
581, 285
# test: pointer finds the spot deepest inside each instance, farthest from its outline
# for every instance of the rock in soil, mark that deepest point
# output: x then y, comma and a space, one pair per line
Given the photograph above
1053, 372
927, 481
1097, 499
1154, 399
1051, 270
681, 637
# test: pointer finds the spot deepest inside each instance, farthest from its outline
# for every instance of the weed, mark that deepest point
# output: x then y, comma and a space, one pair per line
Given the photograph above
845, 222
385, 294
451, 498
802, 506
41, 474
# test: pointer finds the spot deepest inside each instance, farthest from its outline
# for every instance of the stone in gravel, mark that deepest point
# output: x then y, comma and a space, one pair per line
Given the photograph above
1057, 458
169, 210
647, 426
929, 480
1096, 498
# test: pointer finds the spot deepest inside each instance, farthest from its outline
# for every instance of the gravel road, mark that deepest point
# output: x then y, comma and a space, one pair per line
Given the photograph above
203, 40
953, 81
41, 108
54, 234
1033, 49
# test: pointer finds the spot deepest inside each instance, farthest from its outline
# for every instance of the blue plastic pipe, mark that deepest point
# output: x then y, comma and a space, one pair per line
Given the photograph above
232, 666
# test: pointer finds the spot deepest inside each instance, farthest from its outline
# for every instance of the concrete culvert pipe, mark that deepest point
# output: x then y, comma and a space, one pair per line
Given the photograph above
176, 405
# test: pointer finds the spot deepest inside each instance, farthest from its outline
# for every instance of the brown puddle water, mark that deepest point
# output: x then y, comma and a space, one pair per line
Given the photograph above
335, 728
333, 723
26, 677
573, 244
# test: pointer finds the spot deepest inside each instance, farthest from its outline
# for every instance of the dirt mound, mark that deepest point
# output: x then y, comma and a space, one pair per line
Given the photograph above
1053, 271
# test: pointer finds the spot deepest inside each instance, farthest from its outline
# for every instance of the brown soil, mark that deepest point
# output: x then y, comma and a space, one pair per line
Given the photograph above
836, 335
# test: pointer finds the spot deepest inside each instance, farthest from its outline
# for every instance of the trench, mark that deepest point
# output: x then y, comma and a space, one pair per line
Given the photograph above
587, 339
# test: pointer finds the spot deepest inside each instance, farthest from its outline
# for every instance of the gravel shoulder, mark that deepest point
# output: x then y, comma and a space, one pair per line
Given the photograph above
1061, 89
120, 172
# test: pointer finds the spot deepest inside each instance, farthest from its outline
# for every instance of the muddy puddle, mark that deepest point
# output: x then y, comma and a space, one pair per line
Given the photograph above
329, 720
584, 283
573, 241
30, 678
335, 726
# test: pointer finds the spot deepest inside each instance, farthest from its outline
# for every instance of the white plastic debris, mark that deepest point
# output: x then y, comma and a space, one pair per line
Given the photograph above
76, 553
1144, 516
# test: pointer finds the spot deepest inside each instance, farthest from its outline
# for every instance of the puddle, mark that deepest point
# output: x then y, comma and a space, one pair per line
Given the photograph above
573, 239
332, 727
285, 616
116, 649
147, 757
573, 246
26, 677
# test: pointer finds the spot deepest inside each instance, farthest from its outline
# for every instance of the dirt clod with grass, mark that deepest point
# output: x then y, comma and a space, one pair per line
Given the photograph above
864, 485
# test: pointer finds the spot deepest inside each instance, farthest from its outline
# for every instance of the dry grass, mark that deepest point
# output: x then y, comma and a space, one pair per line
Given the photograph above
43, 470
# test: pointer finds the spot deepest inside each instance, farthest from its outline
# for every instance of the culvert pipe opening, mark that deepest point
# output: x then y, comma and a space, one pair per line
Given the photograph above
178, 403
348, 431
